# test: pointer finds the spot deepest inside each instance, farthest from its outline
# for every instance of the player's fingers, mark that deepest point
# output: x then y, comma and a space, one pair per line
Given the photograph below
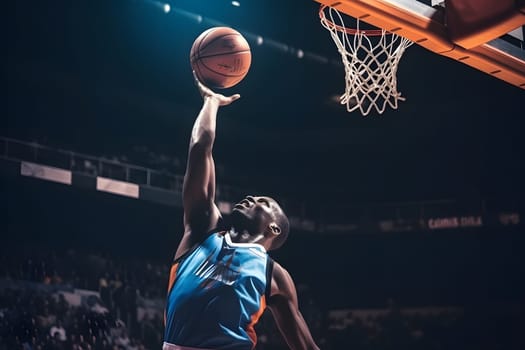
195, 79
200, 85
227, 100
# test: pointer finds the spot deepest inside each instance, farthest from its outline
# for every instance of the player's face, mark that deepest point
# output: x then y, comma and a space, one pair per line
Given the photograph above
258, 211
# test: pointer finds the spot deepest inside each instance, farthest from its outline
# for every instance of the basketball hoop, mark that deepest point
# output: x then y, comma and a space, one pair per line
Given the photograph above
371, 59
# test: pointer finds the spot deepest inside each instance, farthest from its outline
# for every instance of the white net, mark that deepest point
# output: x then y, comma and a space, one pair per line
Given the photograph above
370, 62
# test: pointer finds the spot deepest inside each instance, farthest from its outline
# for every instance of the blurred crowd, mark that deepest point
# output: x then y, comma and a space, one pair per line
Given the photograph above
35, 317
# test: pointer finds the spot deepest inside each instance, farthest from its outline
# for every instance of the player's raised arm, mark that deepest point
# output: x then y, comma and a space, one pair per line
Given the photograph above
285, 309
198, 192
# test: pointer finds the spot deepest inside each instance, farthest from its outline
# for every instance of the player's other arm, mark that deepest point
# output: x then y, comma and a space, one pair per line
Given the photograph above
198, 190
284, 307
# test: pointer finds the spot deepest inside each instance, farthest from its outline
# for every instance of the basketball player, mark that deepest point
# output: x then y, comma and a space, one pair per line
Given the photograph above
222, 278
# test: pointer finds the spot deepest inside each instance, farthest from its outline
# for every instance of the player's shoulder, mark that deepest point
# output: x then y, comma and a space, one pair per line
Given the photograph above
282, 282
188, 245
278, 270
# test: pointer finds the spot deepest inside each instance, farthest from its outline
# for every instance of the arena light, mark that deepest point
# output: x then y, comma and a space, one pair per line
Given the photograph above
166, 8
236, 3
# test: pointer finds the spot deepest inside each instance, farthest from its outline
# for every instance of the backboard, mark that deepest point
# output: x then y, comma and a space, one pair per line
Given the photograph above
484, 34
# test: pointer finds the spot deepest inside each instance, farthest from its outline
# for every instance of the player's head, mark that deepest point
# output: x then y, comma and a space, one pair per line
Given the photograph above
262, 215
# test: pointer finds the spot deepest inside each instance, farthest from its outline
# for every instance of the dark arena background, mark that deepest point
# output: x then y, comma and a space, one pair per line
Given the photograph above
407, 227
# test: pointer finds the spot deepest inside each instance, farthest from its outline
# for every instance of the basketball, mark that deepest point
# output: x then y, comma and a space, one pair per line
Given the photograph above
220, 57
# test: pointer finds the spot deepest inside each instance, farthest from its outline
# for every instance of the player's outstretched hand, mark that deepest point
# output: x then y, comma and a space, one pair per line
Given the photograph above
207, 92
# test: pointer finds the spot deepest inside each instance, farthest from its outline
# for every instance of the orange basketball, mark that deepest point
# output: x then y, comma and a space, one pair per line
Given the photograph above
220, 57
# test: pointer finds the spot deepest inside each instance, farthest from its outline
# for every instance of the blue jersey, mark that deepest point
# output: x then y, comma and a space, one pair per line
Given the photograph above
216, 294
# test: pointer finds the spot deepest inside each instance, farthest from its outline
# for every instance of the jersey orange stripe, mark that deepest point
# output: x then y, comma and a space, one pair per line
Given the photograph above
173, 274
253, 320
